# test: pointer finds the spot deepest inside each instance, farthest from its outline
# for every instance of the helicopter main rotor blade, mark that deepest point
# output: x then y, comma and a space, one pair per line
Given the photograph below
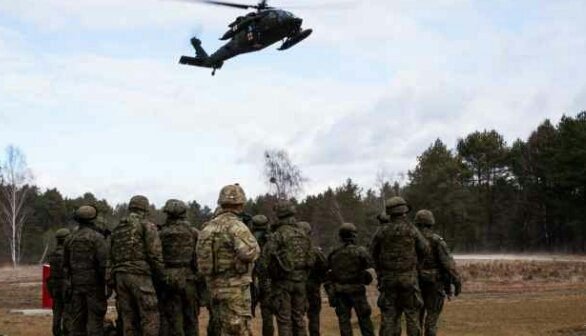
227, 4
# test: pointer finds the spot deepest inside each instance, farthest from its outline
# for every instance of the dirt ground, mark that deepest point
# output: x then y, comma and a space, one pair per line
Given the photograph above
510, 296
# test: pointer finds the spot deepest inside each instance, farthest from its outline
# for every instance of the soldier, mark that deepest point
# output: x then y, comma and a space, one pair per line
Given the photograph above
55, 285
136, 260
348, 278
84, 264
226, 251
179, 298
436, 273
286, 260
261, 283
315, 278
397, 250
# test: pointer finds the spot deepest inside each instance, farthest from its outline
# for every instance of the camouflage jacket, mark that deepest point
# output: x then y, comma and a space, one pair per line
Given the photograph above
55, 280
226, 251
317, 273
398, 248
348, 264
438, 260
135, 247
85, 257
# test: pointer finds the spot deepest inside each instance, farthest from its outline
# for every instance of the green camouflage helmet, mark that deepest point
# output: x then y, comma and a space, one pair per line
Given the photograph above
397, 206
260, 222
139, 202
285, 209
175, 208
305, 226
347, 230
62, 233
85, 213
424, 218
232, 194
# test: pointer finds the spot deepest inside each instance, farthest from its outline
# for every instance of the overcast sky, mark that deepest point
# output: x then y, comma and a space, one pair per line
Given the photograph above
92, 93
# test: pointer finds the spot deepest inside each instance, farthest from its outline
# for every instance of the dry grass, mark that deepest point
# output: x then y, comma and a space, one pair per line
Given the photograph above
500, 298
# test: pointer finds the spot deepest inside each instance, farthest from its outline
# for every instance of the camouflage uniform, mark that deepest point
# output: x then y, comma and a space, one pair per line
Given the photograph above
397, 250
260, 228
179, 299
136, 260
315, 279
347, 280
226, 250
55, 284
437, 270
286, 260
84, 263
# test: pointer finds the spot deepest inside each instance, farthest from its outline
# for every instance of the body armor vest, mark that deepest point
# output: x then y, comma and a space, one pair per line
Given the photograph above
82, 262
178, 244
128, 240
346, 265
398, 252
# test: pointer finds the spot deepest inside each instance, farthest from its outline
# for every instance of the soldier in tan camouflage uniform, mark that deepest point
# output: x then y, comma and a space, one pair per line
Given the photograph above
84, 263
136, 259
179, 297
55, 284
437, 272
286, 260
397, 249
315, 279
226, 251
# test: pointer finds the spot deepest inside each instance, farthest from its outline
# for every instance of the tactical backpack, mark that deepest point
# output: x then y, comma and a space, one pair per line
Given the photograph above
178, 246
294, 255
346, 265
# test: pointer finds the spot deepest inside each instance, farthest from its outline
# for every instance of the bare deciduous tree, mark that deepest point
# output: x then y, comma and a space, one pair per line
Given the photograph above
281, 172
14, 177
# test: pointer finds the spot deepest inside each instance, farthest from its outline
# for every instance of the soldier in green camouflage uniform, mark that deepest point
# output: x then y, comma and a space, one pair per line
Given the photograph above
136, 260
347, 281
260, 229
315, 278
179, 298
397, 250
286, 260
55, 284
437, 270
84, 263
226, 251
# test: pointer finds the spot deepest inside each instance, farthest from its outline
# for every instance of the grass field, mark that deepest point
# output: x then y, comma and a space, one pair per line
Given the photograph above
501, 297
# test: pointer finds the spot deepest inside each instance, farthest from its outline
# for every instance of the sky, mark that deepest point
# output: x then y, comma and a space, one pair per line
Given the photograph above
92, 93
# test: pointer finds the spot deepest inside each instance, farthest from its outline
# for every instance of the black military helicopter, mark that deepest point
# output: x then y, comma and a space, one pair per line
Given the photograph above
251, 32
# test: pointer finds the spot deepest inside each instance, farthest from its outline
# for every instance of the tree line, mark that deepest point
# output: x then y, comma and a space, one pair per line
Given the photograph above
486, 194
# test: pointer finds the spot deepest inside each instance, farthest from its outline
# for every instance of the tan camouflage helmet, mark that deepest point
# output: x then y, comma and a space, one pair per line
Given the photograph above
305, 226
62, 233
396, 206
260, 222
284, 209
139, 202
85, 213
232, 194
175, 208
424, 218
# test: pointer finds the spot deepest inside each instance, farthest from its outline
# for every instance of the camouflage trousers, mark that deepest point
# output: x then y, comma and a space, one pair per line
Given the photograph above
313, 308
231, 308
289, 303
345, 302
180, 309
61, 323
137, 304
87, 308
267, 315
433, 303
214, 327
400, 296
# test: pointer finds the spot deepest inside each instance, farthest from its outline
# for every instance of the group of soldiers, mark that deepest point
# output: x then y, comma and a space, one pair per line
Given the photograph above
163, 276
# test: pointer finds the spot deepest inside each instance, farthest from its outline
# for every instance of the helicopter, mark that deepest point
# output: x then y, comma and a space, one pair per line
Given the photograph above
251, 32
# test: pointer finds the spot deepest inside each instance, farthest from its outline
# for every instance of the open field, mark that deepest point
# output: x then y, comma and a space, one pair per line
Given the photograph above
509, 296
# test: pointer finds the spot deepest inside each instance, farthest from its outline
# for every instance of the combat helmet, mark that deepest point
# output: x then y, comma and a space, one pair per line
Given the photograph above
85, 213
424, 218
175, 208
397, 206
62, 233
284, 209
260, 222
232, 194
139, 202
347, 231
305, 226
